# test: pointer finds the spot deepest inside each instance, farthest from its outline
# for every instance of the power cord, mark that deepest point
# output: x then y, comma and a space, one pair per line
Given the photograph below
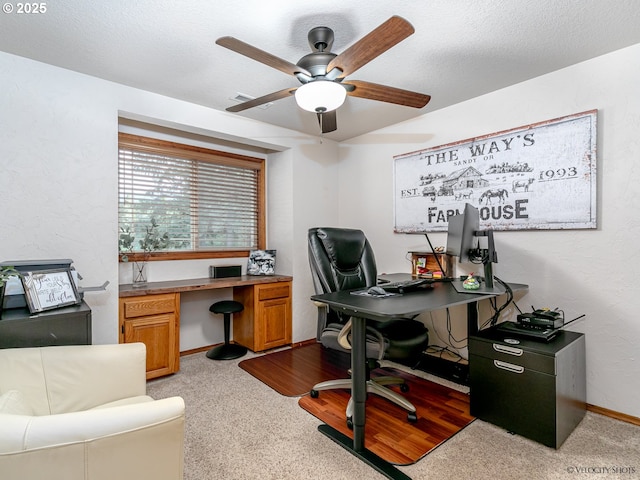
439, 352
449, 342
498, 310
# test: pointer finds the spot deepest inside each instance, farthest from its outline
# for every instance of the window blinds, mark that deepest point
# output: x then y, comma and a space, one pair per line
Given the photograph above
203, 204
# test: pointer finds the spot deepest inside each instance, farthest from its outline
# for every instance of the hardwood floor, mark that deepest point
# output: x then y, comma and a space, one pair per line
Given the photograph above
294, 371
441, 411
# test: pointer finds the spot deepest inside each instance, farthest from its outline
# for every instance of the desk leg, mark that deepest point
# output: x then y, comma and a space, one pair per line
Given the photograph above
359, 396
358, 380
472, 319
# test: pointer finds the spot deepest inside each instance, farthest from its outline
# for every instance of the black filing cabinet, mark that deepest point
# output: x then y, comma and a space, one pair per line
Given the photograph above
532, 388
62, 326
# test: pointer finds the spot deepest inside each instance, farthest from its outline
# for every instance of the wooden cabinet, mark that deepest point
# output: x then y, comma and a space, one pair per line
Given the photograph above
153, 320
266, 319
151, 315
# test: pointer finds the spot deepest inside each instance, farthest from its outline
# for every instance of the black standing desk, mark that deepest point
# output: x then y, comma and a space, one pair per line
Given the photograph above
362, 308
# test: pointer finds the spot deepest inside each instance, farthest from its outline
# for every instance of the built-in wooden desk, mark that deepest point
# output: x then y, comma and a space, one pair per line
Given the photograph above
151, 314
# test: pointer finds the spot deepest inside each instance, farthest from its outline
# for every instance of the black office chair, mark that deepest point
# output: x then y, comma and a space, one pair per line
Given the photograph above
342, 259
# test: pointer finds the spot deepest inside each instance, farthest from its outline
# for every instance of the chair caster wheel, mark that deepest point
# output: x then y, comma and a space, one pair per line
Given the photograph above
314, 393
350, 423
404, 388
412, 417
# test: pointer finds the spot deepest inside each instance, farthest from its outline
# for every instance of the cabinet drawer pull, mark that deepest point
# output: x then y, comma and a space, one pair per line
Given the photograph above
510, 367
508, 350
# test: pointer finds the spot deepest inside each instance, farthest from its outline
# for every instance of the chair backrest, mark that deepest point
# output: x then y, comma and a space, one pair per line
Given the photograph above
340, 259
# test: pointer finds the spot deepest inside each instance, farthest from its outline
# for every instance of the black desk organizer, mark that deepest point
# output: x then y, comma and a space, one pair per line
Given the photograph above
534, 389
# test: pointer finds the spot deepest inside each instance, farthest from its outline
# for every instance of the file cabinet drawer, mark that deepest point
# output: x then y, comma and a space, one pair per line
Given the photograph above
513, 354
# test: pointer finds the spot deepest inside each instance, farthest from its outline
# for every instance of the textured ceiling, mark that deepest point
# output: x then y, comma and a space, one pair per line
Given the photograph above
461, 48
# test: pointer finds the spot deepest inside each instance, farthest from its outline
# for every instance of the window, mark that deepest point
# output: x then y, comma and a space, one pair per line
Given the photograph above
210, 203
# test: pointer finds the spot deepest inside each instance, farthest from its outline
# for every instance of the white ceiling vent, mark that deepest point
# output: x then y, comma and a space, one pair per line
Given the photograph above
242, 97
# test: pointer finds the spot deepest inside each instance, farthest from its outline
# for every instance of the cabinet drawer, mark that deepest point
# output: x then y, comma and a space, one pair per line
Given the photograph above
149, 305
513, 355
513, 397
269, 292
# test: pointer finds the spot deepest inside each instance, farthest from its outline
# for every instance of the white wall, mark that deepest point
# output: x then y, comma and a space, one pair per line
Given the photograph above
58, 172
58, 159
580, 271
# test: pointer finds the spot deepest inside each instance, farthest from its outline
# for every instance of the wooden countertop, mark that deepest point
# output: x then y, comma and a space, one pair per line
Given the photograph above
190, 285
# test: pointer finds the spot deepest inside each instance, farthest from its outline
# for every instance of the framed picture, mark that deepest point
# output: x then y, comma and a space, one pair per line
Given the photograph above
49, 289
261, 262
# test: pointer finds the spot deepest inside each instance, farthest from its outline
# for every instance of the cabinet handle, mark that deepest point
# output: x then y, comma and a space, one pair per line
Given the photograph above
510, 367
508, 350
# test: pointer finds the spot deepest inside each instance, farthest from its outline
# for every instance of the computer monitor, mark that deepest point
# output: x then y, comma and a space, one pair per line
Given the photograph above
463, 242
461, 233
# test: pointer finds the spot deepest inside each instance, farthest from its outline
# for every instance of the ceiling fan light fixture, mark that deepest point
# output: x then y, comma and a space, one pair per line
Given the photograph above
320, 96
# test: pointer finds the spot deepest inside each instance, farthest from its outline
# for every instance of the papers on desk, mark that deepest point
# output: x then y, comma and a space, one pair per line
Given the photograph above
365, 293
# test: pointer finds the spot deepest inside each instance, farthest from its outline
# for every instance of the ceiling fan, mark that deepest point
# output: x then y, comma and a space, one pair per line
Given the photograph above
322, 73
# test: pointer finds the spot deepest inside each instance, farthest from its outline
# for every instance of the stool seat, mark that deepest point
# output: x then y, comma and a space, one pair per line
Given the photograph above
226, 306
226, 351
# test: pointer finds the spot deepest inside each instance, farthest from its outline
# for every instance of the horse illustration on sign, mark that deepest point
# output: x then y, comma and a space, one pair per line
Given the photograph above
500, 193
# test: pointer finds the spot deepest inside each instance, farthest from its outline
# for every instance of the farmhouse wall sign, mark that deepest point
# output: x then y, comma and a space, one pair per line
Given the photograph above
540, 176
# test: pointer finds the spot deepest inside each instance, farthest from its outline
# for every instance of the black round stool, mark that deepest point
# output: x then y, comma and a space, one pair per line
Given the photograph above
226, 351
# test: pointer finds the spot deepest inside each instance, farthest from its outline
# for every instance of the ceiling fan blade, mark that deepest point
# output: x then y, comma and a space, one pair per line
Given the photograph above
382, 93
328, 121
378, 41
272, 97
261, 56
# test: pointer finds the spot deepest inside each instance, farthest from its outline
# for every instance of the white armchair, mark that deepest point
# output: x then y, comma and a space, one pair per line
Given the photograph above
82, 413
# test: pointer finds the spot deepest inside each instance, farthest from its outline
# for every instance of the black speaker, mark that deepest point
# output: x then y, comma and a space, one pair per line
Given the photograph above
225, 271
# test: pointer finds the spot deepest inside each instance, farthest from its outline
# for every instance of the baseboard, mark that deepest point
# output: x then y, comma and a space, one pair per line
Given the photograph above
613, 414
304, 343
208, 347
196, 350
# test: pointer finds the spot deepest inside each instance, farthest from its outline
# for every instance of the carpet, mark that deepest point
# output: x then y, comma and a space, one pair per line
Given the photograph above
442, 411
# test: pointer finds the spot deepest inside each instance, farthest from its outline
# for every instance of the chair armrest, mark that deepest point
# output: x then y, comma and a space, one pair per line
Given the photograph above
344, 337
21, 433
323, 313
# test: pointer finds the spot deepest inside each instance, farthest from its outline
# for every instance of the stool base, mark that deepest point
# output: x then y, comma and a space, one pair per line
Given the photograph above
227, 351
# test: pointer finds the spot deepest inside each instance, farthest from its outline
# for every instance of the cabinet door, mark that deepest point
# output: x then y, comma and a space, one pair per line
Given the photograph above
153, 320
275, 324
157, 332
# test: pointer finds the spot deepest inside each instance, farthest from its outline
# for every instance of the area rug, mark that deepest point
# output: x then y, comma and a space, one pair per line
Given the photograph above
442, 412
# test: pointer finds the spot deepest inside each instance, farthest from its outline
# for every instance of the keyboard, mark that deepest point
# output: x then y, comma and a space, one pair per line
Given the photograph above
405, 285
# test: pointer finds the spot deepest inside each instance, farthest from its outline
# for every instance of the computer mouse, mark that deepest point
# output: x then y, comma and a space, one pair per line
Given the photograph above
376, 291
